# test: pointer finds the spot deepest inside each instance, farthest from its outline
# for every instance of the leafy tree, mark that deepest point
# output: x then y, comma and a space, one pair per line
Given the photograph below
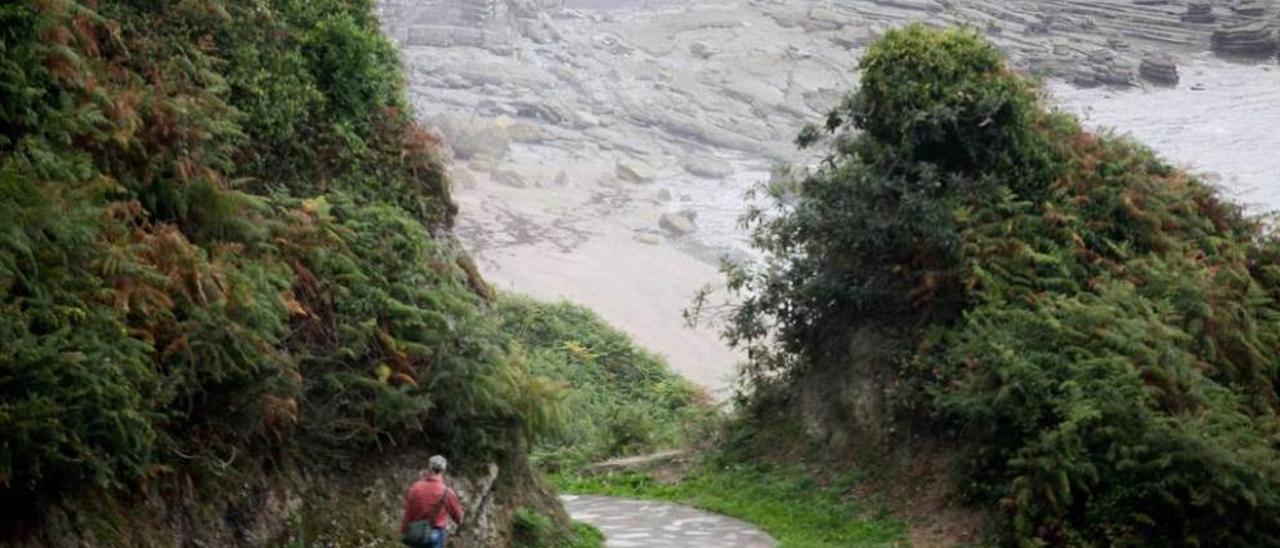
1096, 328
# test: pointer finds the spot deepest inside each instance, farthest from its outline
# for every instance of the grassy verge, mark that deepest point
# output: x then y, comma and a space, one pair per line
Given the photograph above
782, 500
585, 536
535, 530
622, 400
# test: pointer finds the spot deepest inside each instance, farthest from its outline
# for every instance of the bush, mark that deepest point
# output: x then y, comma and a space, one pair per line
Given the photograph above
221, 240
1097, 328
619, 399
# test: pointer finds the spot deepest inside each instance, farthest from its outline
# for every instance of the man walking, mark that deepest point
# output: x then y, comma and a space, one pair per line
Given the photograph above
426, 505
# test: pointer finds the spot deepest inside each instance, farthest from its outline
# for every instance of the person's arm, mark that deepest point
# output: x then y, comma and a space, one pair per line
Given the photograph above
454, 505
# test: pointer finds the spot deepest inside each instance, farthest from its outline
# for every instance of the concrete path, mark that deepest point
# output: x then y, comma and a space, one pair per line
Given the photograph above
628, 523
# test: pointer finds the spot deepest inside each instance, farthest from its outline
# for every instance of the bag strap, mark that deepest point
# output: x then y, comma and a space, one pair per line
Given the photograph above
440, 507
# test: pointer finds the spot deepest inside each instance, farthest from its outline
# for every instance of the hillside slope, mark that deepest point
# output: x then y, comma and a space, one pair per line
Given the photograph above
1091, 332
229, 292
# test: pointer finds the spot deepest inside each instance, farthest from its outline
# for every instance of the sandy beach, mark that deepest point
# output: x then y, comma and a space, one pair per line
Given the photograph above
601, 247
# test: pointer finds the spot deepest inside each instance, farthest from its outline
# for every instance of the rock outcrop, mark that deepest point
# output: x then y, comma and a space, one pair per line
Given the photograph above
634, 171
1159, 69
1252, 39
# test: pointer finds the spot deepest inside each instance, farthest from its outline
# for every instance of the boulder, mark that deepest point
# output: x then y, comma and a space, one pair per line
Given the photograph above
524, 132
634, 171
706, 167
463, 178
473, 136
1160, 69
510, 178
664, 195
482, 163
676, 224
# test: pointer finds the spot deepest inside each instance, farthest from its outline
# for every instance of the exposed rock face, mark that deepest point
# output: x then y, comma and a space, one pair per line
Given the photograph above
677, 83
1160, 69
1256, 39
1200, 13
1105, 69
1250, 8
358, 507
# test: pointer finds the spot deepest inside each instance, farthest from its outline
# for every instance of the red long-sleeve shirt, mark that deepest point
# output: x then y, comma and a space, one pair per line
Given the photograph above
422, 502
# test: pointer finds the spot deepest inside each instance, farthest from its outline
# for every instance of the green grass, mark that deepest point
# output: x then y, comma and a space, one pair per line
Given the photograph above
536, 530
585, 536
620, 400
783, 501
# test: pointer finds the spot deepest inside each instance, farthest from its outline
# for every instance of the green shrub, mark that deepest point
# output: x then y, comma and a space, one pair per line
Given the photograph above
1098, 329
619, 399
222, 239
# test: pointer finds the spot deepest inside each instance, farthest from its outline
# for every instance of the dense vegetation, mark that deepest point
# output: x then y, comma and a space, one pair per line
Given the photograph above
619, 400
1097, 330
223, 240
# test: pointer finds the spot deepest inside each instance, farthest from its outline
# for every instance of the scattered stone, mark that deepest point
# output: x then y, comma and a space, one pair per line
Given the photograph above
664, 195
676, 224
562, 179
523, 132
606, 181
472, 136
634, 171
463, 178
701, 50
685, 198
1160, 69
510, 178
647, 238
482, 163
706, 167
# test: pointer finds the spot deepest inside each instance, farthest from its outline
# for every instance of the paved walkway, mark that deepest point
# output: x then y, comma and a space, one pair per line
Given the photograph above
628, 523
